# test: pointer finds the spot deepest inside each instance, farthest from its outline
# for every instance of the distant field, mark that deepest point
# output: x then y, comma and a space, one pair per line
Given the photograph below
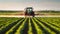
36, 12
10, 12
34, 25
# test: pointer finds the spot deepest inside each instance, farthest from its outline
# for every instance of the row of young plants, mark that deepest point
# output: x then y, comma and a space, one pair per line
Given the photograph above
34, 25
6, 21
51, 26
43, 27
37, 26
52, 20
8, 24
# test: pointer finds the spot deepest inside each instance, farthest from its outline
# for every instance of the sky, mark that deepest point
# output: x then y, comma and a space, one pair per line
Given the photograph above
36, 4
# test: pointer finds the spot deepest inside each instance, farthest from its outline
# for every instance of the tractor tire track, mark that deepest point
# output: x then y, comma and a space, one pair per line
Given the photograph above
25, 28
33, 27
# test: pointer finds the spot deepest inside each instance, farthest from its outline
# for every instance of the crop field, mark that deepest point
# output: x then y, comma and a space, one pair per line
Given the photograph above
30, 25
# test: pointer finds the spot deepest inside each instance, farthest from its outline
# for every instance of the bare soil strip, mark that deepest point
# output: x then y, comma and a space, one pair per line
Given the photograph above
29, 16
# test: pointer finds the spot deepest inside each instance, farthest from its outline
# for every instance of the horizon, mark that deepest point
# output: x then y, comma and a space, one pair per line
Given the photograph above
36, 4
24, 10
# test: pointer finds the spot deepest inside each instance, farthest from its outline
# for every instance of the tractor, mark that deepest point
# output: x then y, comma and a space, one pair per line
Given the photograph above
29, 11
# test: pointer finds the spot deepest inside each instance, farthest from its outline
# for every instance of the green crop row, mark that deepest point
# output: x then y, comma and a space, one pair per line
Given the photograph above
34, 25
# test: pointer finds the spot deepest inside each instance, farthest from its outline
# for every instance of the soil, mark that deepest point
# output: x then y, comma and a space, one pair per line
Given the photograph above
29, 16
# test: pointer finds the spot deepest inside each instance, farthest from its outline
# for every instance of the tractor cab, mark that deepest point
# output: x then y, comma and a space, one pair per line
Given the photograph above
29, 11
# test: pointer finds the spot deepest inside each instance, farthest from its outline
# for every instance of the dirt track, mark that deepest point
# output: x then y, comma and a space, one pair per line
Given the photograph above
30, 16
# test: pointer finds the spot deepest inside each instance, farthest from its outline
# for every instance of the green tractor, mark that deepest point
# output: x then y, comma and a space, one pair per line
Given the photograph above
29, 11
